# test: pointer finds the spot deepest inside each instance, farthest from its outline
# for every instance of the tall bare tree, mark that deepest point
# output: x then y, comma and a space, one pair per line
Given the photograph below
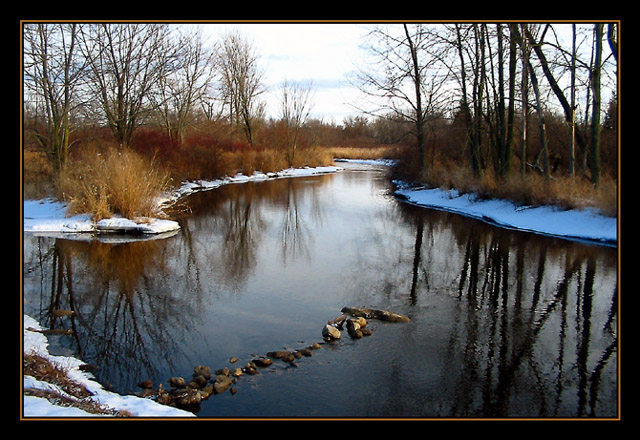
532, 76
241, 80
405, 78
126, 60
52, 75
295, 105
594, 150
184, 82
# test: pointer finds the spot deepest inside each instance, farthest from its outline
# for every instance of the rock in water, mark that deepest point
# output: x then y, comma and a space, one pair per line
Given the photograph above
353, 328
331, 332
146, 384
221, 384
177, 382
188, 398
278, 354
202, 370
383, 315
262, 362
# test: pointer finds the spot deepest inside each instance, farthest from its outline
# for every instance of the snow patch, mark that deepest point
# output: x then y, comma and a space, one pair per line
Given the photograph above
575, 224
37, 343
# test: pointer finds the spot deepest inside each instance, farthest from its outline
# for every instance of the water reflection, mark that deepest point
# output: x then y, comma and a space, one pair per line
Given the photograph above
533, 328
504, 323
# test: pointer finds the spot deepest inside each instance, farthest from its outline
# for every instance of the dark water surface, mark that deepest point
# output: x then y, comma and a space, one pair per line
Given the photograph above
504, 323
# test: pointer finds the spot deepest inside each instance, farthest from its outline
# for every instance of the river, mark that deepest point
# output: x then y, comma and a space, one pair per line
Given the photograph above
503, 323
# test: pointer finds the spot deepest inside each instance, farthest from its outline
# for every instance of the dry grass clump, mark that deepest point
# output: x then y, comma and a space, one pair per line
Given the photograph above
312, 157
271, 160
112, 181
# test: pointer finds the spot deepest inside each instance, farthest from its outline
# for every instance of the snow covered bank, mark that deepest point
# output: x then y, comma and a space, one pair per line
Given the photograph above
575, 224
37, 343
47, 217
191, 187
383, 162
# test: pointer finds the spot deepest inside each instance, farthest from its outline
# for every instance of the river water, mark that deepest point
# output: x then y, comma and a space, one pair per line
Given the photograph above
503, 323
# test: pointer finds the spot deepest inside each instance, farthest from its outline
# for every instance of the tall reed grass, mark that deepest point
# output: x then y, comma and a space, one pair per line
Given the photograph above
112, 182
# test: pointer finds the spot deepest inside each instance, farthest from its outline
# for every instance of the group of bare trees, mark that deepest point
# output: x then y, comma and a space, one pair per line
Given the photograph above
123, 75
502, 80
495, 76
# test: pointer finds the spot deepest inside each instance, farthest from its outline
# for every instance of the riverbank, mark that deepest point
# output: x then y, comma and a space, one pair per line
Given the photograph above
48, 216
574, 224
586, 224
44, 399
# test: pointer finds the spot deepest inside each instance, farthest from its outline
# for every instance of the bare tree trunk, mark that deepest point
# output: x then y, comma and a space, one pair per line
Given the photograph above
534, 83
594, 156
419, 113
506, 161
126, 61
472, 141
572, 146
525, 105
295, 107
241, 81
478, 90
52, 73
568, 110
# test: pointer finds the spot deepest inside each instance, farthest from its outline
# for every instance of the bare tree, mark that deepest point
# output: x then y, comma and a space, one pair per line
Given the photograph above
52, 75
405, 78
126, 61
184, 82
295, 102
594, 156
531, 74
241, 83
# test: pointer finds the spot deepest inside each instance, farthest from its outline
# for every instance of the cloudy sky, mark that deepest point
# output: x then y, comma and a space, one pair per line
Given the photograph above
323, 53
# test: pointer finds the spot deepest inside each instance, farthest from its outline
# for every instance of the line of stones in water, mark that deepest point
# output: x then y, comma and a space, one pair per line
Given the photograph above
205, 382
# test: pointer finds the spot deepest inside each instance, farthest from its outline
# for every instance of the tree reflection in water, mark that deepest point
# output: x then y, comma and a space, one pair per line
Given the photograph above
504, 323
533, 326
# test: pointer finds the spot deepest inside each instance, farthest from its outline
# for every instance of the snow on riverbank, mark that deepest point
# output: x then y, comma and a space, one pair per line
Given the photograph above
574, 224
383, 162
37, 343
204, 185
47, 217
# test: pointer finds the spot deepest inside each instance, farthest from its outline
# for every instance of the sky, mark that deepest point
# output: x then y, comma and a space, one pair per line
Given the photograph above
323, 53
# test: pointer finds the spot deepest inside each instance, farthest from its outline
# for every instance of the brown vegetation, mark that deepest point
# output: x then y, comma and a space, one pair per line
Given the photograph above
72, 395
447, 169
111, 181
136, 174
